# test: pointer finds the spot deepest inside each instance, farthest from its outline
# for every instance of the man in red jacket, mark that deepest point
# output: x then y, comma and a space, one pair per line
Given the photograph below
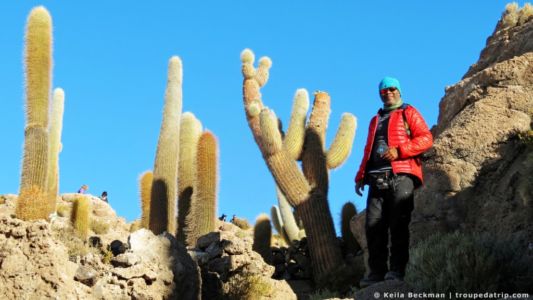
391, 167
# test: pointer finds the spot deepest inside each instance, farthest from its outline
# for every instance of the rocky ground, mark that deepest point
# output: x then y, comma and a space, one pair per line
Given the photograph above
44, 260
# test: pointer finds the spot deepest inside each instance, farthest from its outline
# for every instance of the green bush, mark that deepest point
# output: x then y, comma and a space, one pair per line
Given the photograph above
460, 262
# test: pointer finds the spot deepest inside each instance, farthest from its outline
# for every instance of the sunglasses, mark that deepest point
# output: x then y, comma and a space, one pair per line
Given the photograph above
384, 91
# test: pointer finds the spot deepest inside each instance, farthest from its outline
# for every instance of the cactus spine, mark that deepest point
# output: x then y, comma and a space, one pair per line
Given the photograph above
307, 193
80, 216
32, 199
205, 188
347, 213
263, 237
145, 187
56, 126
164, 186
190, 132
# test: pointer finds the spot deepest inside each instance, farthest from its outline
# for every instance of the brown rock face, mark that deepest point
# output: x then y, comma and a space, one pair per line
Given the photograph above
478, 175
33, 265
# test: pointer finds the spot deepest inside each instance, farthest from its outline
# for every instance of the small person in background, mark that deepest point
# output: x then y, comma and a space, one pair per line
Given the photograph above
103, 197
84, 188
222, 218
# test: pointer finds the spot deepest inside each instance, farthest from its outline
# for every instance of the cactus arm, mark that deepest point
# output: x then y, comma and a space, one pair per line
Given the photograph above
284, 169
262, 71
294, 140
145, 187
289, 223
251, 94
278, 224
342, 144
313, 158
190, 132
56, 125
164, 186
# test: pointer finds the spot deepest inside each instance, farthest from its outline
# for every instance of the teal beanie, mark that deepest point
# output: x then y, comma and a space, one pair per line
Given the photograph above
388, 82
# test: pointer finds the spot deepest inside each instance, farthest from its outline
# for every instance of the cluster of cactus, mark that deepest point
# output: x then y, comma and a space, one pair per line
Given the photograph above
307, 190
179, 197
42, 140
514, 15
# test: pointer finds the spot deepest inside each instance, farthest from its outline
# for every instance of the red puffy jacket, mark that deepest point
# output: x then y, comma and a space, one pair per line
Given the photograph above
408, 146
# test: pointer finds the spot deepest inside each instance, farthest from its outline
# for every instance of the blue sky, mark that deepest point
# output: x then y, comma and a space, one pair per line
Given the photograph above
111, 59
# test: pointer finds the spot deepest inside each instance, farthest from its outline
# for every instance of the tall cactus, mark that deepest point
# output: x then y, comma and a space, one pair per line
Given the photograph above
190, 132
348, 211
263, 237
56, 126
80, 216
204, 203
32, 199
164, 187
308, 193
145, 187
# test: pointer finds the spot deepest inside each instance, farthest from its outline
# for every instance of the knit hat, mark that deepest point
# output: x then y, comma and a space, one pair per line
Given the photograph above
388, 82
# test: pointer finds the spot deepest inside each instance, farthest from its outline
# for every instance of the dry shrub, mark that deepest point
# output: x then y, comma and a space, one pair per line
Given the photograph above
75, 245
241, 223
63, 210
240, 234
249, 288
510, 16
107, 256
99, 226
136, 225
525, 13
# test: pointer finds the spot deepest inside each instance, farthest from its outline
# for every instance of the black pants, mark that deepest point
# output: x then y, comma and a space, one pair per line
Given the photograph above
389, 209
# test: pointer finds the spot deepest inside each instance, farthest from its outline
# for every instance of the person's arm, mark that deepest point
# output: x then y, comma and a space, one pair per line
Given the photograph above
421, 138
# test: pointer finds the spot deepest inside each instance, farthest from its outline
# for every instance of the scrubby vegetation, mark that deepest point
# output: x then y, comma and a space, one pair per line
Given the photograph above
250, 288
470, 263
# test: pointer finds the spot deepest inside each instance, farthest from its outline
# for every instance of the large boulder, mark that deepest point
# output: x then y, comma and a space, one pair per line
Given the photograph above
479, 169
232, 270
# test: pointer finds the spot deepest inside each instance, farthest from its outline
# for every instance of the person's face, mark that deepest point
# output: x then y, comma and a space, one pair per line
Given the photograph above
390, 96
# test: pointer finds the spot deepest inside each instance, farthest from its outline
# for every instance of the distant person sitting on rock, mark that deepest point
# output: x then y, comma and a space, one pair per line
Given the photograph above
84, 188
103, 197
391, 167
222, 218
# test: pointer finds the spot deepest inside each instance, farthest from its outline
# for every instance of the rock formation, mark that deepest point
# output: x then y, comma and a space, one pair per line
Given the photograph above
478, 174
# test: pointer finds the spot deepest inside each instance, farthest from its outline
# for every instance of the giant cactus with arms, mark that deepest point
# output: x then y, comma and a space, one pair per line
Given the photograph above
306, 191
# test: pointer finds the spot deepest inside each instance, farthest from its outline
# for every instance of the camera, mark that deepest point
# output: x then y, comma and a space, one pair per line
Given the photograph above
382, 183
